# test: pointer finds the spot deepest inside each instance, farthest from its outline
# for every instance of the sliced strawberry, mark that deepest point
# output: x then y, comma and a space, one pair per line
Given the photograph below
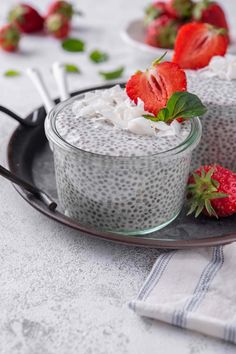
156, 85
197, 43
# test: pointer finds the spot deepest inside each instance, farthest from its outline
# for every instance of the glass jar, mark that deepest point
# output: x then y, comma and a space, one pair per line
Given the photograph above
219, 123
128, 195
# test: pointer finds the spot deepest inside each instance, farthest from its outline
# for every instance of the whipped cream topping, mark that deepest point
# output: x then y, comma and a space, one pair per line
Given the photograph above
222, 67
114, 107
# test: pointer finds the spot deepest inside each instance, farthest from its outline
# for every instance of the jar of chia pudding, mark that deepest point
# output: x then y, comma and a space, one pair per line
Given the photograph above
114, 172
216, 86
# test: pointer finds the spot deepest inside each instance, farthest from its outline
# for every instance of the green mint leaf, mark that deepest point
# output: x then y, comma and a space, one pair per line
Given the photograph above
163, 115
180, 105
12, 73
71, 68
184, 105
98, 57
73, 45
111, 75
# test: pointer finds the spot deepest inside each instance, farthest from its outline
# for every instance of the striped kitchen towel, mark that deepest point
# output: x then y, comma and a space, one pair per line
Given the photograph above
193, 289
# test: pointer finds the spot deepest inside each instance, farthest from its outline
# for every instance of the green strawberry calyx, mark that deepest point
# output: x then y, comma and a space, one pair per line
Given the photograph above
202, 191
151, 13
200, 7
66, 9
54, 22
183, 8
11, 36
17, 14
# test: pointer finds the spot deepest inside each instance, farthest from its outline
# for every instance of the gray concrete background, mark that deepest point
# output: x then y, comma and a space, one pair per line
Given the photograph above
60, 291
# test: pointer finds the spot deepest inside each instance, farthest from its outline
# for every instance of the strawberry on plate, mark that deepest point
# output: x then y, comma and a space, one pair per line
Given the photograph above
181, 9
212, 190
61, 7
9, 38
162, 32
26, 18
57, 25
197, 43
154, 11
210, 12
156, 85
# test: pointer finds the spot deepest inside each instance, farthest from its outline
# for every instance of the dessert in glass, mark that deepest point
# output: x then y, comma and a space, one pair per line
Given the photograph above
121, 160
216, 86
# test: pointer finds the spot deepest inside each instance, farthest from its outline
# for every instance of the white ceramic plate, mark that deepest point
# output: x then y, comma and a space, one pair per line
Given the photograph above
134, 35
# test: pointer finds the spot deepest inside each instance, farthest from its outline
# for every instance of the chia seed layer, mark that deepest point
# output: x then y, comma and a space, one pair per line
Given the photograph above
110, 191
218, 143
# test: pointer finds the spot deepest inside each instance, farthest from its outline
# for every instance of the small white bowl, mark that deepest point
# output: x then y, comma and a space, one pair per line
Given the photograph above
134, 35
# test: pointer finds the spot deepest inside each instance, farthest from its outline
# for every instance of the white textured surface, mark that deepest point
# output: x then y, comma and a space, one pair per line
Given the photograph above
60, 291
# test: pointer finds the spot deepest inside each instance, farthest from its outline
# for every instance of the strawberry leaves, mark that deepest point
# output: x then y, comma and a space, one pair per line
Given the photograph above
183, 105
202, 190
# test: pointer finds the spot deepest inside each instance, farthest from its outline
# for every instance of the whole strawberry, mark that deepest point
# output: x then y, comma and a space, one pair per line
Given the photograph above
61, 7
210, 12
197, 43
181, 9
162, 32
57, 25
9, 38
154, 11
212, 190
26, 18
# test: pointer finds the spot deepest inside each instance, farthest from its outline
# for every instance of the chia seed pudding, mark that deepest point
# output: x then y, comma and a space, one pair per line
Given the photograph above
109, 175
217, 90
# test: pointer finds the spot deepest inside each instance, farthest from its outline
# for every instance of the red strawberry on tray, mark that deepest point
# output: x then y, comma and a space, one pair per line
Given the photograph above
197, 43
210, 12
9, 38
212, 190
26, 18
156, 85
162, 32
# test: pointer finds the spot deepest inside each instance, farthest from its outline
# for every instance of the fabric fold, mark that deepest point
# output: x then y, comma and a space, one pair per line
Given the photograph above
193, 289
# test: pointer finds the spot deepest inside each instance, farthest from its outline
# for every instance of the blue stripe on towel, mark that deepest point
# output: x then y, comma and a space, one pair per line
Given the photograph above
154, 277
208, 274
230, 332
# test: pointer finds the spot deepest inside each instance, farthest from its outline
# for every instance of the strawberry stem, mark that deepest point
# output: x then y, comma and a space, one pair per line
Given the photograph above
159, 60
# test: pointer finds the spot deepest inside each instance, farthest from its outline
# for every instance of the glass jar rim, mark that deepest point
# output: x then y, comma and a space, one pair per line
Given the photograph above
54, 137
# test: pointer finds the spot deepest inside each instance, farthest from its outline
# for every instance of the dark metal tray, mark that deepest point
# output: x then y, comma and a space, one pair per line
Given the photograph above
30, 158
